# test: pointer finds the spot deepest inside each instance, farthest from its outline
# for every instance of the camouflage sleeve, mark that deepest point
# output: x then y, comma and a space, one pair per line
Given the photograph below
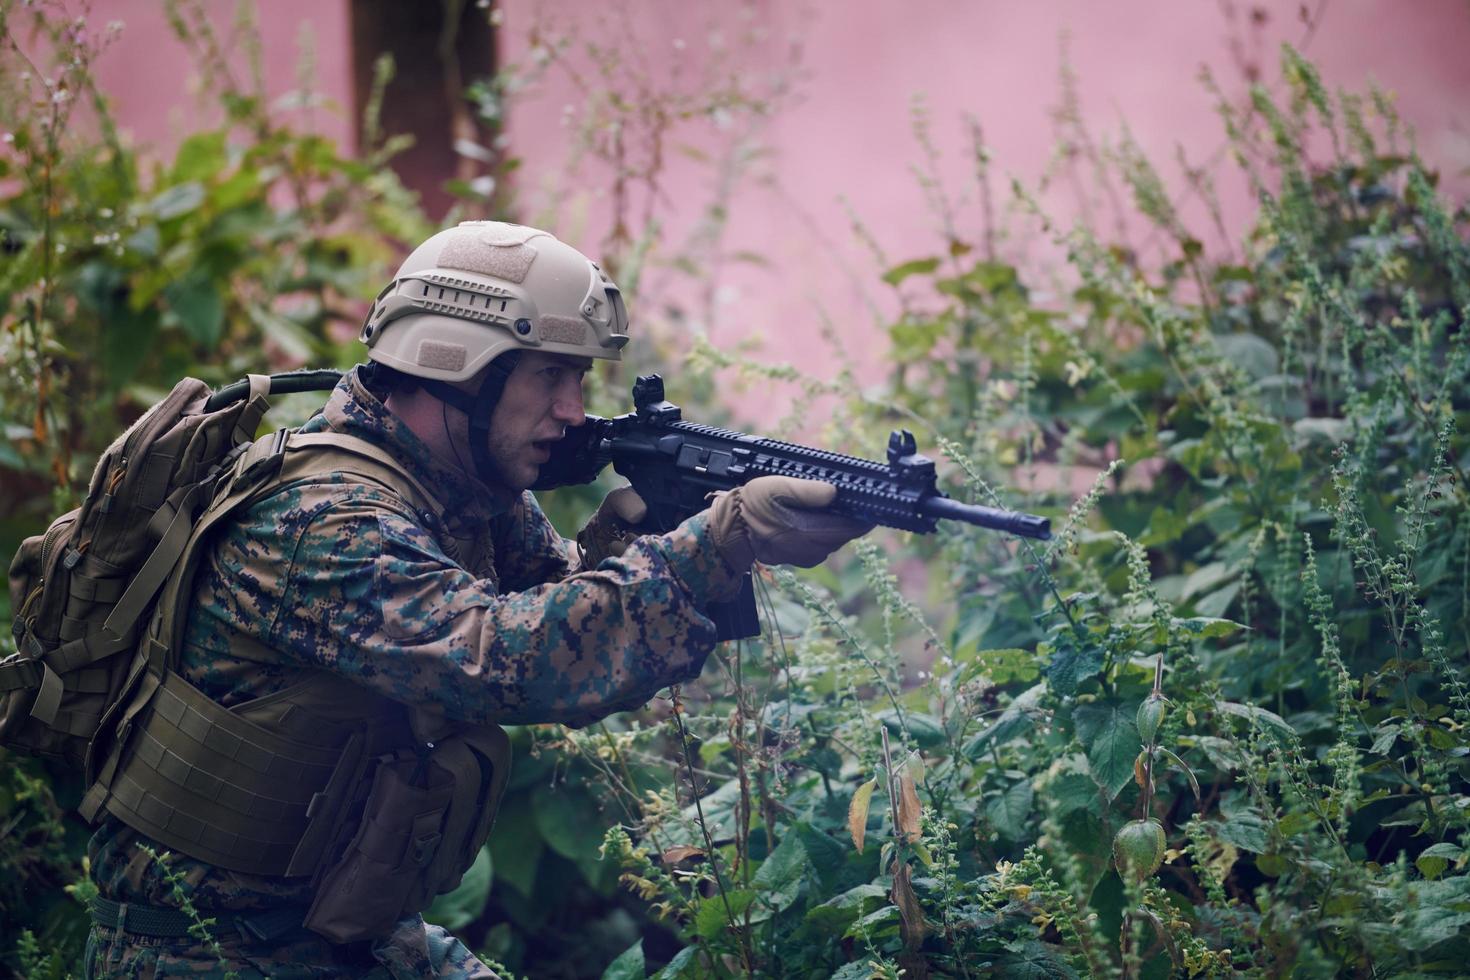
371, 595
528, 549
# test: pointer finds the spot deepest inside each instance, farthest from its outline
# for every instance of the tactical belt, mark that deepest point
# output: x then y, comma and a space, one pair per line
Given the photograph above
266, 926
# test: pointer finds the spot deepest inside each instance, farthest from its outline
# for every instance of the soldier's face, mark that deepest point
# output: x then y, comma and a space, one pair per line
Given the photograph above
542, 397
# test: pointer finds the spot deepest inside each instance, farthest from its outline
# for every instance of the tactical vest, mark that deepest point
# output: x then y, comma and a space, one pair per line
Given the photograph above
382, 806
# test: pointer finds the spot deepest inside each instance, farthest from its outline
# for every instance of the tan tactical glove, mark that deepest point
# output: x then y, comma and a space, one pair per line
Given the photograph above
778, 520
610, 530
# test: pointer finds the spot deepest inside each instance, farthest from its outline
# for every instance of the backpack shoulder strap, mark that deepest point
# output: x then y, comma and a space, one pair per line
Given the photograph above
342, 453
264, 466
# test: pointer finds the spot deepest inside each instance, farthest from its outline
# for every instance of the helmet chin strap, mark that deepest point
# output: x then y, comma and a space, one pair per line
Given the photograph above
479, 407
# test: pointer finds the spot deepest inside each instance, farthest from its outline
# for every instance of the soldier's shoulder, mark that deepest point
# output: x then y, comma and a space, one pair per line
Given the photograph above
338, 494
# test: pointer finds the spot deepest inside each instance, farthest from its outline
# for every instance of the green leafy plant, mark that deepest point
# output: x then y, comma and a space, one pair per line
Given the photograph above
1217, 726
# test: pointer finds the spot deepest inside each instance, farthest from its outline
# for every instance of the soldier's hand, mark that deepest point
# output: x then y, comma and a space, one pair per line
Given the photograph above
610, 530
779, 520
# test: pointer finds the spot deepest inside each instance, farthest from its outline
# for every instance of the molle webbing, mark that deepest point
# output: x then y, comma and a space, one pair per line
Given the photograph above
244, 788
220, 788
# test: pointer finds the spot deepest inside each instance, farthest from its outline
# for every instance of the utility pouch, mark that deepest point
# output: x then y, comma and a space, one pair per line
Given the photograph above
383, 868
424, 820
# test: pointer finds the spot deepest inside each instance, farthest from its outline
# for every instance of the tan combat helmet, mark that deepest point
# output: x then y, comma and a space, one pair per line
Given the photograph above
484, 288
471, 298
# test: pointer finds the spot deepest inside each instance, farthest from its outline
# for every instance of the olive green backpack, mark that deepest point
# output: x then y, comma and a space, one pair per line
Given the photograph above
80, 591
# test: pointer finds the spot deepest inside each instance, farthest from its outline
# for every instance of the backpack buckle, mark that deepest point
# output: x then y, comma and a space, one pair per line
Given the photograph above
267, 462
424, 848
226, 462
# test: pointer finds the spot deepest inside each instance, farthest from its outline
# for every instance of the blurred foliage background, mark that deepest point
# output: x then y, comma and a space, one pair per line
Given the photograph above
1216, 727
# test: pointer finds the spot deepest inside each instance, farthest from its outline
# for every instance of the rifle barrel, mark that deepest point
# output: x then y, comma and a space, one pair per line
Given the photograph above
1016, 522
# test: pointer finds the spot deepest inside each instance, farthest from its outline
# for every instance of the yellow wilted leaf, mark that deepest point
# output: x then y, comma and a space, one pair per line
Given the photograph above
908, 808
857, 812
1139, 774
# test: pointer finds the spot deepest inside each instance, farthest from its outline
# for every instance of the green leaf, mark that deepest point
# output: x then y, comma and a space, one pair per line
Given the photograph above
177, 201
236, 190
914, 339
1435, 858
836, 914
925, 730
1192, 454
1009, 810
628, 966
1073, 661
718, 809
127, 342
1109, 734
712, 919
146, 242
458, 908
680, 965
1184, 768
1224, 754
1033, 960
196, 306
1073, 791
918, 267
1003, 666
780, 875
989, 277
294, 340
826, 855
787, 714
1436, 911
1326, 430
1253, 355
875, 924
1214, 604
566, 819
1206, 577
200, 156
857, 970
516, 845
1246, 831
1014, 720
1207, 627
713, 747
1259, 717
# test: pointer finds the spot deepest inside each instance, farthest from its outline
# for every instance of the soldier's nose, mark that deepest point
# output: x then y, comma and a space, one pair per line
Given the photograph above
569, 408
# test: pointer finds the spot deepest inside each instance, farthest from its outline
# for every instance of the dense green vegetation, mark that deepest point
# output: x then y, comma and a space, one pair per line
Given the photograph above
1217, 726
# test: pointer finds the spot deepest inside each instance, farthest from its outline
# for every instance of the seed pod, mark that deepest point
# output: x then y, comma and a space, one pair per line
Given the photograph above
1138, 849
1150, 713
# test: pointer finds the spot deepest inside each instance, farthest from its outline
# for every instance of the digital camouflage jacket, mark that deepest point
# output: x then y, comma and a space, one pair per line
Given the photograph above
485, 617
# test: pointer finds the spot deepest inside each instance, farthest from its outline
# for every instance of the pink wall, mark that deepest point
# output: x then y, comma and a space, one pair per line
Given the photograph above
846, 133
154, 85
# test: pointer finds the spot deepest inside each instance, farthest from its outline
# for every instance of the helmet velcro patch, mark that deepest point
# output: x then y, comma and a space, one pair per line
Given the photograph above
439, 356
472, 253
561, 329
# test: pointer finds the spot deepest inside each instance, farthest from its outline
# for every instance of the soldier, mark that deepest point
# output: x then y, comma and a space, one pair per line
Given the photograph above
370, 618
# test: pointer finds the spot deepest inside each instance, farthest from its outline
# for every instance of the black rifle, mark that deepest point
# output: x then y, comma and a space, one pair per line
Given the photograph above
674, 465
